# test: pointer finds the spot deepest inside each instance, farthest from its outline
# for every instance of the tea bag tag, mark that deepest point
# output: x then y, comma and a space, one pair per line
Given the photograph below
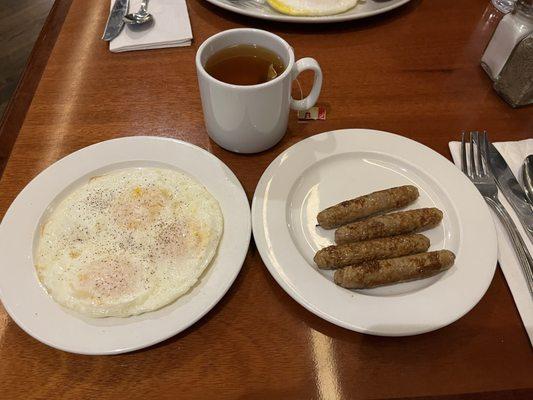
272, 73
313, 114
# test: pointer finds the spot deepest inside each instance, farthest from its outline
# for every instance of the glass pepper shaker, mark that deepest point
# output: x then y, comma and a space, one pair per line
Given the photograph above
515, 82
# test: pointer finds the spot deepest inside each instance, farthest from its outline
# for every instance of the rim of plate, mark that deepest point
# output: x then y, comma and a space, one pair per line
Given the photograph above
346, 16
103, 336
452, 296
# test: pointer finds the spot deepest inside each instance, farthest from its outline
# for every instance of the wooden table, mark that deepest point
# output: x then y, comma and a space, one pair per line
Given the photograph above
414, 71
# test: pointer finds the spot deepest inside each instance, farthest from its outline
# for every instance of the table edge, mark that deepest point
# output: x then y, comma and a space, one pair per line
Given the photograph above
19, 104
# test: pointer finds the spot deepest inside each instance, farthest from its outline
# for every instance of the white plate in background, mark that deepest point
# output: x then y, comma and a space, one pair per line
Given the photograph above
326, 169
39, 315
262, 10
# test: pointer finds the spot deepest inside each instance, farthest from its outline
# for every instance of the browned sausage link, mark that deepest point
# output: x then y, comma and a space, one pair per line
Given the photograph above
354, 253
365, 206
395, 270
389, 225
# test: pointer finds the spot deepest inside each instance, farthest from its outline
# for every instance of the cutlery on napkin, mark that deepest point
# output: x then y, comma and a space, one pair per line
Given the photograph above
170, 28
514, 154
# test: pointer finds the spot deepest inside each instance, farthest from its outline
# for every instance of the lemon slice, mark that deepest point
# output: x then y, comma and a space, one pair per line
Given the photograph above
312, 7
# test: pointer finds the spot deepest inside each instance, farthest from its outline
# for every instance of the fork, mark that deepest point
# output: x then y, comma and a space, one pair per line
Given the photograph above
477, 172
252, 4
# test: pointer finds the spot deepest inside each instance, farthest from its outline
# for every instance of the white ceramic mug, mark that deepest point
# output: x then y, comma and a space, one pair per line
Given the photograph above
250, 119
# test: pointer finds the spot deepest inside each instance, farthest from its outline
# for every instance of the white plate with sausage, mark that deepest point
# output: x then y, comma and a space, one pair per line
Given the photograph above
332, 167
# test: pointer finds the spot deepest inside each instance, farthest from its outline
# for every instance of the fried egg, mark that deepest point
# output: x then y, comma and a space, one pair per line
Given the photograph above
312, 7
128, 242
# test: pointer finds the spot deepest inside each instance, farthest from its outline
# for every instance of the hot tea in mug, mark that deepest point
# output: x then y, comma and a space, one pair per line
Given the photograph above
245, 64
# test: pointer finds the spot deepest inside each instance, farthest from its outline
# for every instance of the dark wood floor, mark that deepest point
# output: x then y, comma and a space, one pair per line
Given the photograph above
20, 24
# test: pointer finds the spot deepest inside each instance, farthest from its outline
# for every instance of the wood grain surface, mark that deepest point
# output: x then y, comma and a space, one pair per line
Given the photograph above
20, 24
16, 108
414, 71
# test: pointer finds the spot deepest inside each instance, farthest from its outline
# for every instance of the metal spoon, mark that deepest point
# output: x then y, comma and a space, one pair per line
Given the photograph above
140, 17
527, 177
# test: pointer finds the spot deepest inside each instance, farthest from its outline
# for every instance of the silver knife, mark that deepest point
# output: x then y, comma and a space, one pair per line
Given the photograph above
114, 21
511, 189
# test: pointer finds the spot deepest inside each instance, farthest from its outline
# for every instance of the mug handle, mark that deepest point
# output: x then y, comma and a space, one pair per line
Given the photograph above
301, 65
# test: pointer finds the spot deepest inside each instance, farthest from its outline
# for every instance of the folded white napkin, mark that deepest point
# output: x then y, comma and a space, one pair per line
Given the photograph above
170, 27
514, 153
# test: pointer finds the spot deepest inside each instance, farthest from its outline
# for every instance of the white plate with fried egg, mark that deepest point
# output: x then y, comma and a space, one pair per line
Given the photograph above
309, 11
122, 244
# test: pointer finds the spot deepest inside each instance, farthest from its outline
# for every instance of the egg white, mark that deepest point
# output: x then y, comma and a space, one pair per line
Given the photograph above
312, 7
128, 242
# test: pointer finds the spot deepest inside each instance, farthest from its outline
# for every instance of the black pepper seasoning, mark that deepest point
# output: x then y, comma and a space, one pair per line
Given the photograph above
515, 83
